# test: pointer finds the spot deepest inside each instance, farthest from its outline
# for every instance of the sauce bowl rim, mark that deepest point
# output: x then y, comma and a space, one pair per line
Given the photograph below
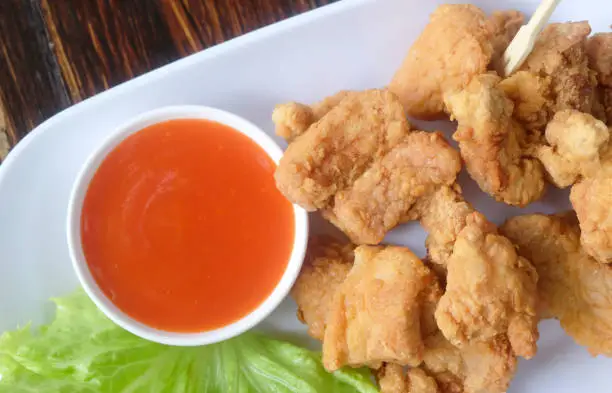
81, 268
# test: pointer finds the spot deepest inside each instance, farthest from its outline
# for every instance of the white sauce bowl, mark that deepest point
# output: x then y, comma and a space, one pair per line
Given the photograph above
81, 267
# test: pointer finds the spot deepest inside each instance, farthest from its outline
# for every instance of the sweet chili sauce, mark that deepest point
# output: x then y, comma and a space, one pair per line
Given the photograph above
183, 228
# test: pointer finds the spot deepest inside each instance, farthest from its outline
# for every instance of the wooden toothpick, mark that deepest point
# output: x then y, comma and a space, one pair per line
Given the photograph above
523, 42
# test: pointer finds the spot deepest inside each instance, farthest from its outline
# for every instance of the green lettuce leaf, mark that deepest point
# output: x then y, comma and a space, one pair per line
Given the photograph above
82, 351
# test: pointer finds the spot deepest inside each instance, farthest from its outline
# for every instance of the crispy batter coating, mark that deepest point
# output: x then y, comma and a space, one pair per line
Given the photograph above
490, 142
573, 287
453, 48
503, 26
490, 291
382, 196
576, 141
531, 95
560, 54
326, 265
442, 215
338, 148
479, 368
393, 379
592, 200
375, 313
475, 368
364, 179
292, 119
599, 51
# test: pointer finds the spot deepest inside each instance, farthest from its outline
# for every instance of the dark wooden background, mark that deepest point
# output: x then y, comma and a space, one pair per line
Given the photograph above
54, 53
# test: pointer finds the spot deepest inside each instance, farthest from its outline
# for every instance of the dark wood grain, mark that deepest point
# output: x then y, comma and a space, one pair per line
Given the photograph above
31, 87
58, 52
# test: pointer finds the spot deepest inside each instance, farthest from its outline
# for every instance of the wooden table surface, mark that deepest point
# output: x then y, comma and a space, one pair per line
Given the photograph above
54, 53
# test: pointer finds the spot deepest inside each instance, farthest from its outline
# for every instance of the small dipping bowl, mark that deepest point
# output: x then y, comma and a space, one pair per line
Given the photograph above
82, 268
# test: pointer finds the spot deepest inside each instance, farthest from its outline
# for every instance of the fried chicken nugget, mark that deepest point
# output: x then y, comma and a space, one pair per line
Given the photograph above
531, 95
482, 367
475, 368
576, 143
442, 215
575, 289
382, 196
393, 379
454, 47
491, 142
338, 148
490, 291
559, 53
375, 315
325, 267
292, 119
592, 200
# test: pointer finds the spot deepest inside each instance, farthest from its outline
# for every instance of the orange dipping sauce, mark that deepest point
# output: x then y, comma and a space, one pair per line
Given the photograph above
183, 228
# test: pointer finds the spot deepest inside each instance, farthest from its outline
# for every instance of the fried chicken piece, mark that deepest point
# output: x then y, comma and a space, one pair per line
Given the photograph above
592, 200
383, 195
503, 26
337, 149
599, 51
576, 141
573, 287
375, 313
442, 215
531, 96
325, 267
560, 54
392, 379
490, 142
292, 119
485, 367
490, 291
453, 48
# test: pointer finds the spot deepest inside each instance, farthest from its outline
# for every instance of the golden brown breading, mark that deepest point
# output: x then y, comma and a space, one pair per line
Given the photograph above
559, 53
490, 142
454, 47
503, 26
576, 141
573, 287
381, 197
479, 368
325, 267
476, 368
599, 51
338, 148
442, 216
490, 291
531, 96
375, 313
393, 379
592, 200
292, 119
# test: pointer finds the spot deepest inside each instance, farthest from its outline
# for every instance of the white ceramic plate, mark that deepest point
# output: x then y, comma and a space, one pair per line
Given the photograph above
353, 44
